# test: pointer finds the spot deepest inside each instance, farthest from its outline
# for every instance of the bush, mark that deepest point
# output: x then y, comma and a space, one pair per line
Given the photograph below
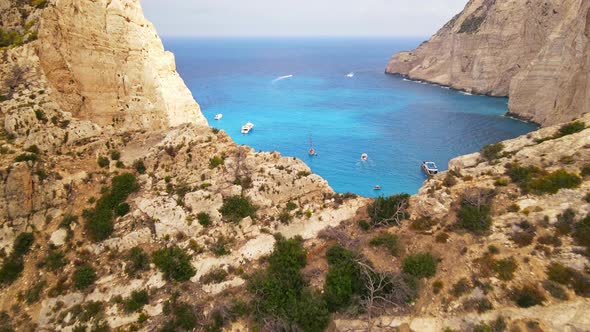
385, 211
527, 296
84, 276
291, 206
422, 224
461, 287
22, 244
26, 157
236, 208
103, 161
115, 155
55, 260
122, 209
499, 325
582, 232
421, 265
215, 276
505, 268
280, 292
285, 217
570, 128
553, 182
389, 241
492, 151
137, 261
219, 247
474, 215
139, 166
364, 225
175, 263
343, 279
479, 304
136, 301
99, 221
215, 161
204, 219
565, 221
450, 180
33, 294
568, 276
183, 316
11, 269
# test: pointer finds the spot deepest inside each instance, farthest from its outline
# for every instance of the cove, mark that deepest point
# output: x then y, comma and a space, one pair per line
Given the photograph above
334, 91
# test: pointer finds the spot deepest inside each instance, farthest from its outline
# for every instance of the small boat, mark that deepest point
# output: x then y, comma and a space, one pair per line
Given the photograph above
364, 157
377, 187
350, 75
218, 116
247, 128
311, 151
429, 167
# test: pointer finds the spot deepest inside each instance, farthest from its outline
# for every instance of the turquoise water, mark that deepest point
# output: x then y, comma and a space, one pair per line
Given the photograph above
398, 123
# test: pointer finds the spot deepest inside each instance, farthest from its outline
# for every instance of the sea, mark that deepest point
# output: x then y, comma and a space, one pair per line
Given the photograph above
333, 94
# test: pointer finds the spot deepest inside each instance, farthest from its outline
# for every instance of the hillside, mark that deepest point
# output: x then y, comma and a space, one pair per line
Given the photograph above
535, 53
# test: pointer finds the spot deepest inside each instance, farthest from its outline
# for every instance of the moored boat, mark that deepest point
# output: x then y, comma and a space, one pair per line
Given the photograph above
247, 128
429, 167
218, 116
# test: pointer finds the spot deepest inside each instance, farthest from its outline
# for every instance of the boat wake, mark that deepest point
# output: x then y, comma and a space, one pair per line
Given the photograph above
280, 78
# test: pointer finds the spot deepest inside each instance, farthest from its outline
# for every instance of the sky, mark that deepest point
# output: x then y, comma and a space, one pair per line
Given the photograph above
215, 18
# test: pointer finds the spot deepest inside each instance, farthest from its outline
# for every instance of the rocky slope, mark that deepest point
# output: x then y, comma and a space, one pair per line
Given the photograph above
535, 53
146, 219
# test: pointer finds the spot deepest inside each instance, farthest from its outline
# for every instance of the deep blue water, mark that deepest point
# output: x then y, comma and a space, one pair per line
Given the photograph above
398, 123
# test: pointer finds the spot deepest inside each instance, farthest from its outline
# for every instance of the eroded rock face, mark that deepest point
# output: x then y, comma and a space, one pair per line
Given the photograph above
106, 63
535, 53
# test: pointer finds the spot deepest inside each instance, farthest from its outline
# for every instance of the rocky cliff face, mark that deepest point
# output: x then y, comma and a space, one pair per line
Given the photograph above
106, 63
535, 53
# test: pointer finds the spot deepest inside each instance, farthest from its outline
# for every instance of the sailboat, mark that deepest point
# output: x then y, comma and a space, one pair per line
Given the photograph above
311, 151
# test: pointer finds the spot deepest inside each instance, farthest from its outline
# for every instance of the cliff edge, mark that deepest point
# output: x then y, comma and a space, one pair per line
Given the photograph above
537, 54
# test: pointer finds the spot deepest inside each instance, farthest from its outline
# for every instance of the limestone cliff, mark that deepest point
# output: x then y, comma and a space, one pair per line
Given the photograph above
537, 53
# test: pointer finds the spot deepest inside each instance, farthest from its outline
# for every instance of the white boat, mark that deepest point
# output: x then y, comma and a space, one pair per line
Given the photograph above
218, 116
247, 128
429, 167
364, 157
350, 75
377, 187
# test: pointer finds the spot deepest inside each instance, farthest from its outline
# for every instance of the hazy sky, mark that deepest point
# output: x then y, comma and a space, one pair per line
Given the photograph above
300, 17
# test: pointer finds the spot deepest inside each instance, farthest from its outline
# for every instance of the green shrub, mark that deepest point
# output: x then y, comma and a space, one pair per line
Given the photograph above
570, 128
474, 215
389, 241
103, 161
565, 221
22, 244
421, 265
215, 161
285, 217
585, 170
364, 225
582, 232
499, 325
55, 260
204, 219
450, 180
461, 287
84, 276
26, 157
479, 304
137, 261
527, 296
175, 263
280, 292
99, 221
505, 268
33, 149
386, 211
343, 279
236, 208
136, 301
67, 221
33, 294
139, 166
492, 151
11, 269
291, 206
219, 247
115, 155
215, 276
122, 209
553, 182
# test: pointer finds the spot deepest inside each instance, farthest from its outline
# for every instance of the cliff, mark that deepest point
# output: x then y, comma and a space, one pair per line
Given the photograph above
537, 54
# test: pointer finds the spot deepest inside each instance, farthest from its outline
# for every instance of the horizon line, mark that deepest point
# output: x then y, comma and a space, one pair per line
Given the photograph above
292, 36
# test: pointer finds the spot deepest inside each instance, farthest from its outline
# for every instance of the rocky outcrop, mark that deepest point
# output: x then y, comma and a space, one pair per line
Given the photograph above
105, 62
537, 54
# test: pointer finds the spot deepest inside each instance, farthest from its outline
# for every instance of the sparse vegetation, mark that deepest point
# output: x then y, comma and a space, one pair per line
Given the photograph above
460, 287
527, 296
493, 151
421, 265
174, 262
343, 279
103, 161
390, 210
215, 276
13, 265
474, 214
55, 260
137, 261
136, 301
236, 208
533, 179
582, 232
389, 241
215, 161
204, 219
505, 268
139, 166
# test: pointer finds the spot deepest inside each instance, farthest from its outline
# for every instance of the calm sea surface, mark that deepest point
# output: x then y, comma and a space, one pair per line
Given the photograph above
398, 123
